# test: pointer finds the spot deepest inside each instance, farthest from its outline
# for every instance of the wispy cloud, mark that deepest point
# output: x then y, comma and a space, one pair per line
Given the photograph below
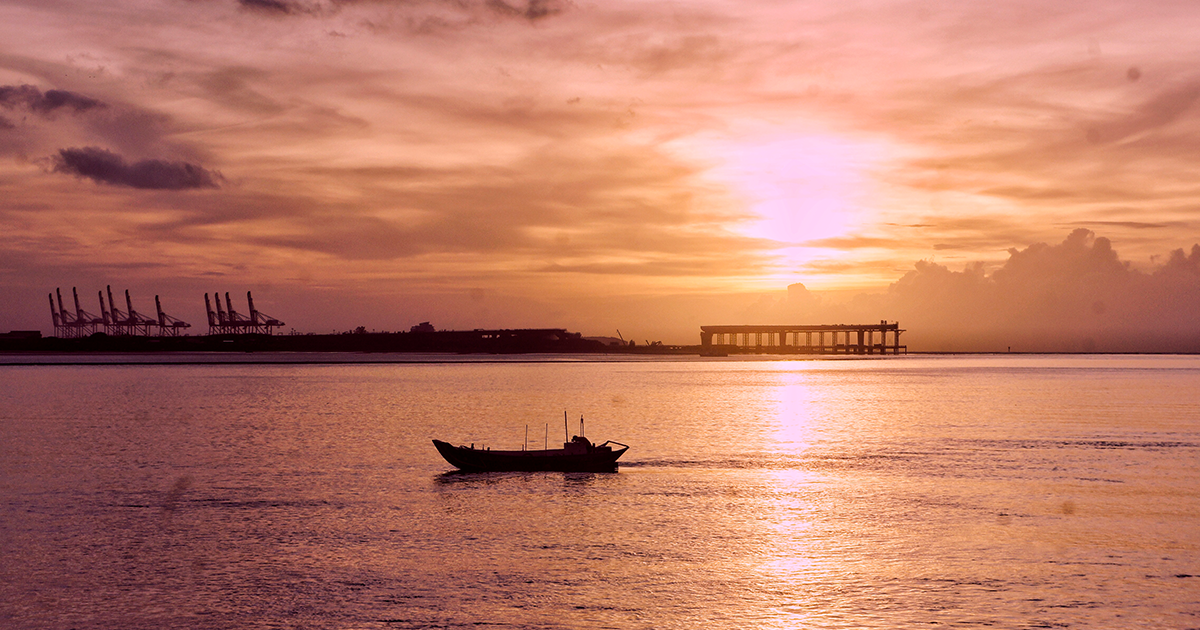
1159, 111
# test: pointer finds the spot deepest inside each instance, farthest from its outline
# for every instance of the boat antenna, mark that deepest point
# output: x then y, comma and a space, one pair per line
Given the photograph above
581, 433
526, 438
565, 437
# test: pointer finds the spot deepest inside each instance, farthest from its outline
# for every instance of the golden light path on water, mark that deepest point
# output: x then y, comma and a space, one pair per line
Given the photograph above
793, 563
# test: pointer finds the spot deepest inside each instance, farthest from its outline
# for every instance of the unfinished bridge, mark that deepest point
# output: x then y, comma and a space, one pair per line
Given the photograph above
881, 338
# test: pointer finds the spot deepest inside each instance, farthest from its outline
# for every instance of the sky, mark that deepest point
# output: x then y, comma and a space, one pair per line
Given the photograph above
990, 175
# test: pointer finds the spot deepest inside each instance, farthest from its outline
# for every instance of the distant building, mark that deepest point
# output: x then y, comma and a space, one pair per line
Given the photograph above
21, 334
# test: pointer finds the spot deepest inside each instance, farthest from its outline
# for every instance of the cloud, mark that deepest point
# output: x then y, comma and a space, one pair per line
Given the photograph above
45, 102
105, 167
553, 211
280, 7
45, 121
1180, 262
532, 10
1160, 111
231, 86
851, 242
1075, 295
1135, 225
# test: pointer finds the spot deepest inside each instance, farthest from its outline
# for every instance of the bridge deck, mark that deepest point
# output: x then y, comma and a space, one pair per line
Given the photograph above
805, 339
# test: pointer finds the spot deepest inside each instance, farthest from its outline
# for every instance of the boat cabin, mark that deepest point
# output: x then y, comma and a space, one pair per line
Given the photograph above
577, 445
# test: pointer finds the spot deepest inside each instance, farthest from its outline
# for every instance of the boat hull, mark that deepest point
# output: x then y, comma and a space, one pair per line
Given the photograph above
594, 459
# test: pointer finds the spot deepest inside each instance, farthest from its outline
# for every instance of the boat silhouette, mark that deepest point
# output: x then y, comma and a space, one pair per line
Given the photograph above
577, 455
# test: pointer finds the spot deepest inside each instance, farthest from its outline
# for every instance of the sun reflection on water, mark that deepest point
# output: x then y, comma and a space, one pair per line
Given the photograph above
792, 565
795, 400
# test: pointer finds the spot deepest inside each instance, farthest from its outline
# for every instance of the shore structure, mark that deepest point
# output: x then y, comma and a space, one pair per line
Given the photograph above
80, 324
803, 339
229, 322
115, 330
508, 341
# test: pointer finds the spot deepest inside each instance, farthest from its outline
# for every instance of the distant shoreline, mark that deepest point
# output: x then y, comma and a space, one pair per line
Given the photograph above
402, 347
68, 359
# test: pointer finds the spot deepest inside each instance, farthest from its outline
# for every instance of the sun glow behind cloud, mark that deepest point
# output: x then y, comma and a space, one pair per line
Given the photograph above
797, 190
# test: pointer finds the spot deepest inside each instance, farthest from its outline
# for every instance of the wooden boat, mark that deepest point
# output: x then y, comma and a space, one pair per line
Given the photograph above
578, 455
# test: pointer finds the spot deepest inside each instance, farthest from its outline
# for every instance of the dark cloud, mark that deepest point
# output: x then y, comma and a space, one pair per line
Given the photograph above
45, 102
43, 122
531, 10
106, 167
279, 7
54, 99
419, 13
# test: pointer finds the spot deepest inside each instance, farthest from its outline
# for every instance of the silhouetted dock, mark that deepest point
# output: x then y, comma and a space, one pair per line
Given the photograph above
821, 339
506, 341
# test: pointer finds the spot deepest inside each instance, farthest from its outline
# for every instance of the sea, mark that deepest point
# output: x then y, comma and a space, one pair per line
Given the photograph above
303, 491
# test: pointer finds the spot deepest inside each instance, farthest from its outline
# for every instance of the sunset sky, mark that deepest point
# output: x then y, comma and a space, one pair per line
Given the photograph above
643, 166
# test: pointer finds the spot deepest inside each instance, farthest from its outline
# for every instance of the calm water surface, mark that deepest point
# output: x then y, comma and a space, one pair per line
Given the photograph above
1009, 492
